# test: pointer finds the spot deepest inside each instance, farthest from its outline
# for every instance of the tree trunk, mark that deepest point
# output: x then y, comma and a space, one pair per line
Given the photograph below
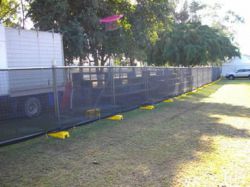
95, 58
132, 61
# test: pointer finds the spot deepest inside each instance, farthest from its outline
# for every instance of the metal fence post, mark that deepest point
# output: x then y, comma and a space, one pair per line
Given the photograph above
197, 77
202, 76
147, 74
113, 85
55, 93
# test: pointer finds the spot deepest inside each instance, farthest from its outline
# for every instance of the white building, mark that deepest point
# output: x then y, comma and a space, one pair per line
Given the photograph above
235, 64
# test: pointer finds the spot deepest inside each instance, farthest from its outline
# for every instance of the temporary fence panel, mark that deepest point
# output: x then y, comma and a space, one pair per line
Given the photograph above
3, 63
28, 109
47, 99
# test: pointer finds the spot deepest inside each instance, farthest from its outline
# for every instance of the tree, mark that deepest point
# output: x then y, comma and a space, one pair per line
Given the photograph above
13, 13
8, 12
193, 44
140, 27
148, 31
79, 22
23, 9
149, 20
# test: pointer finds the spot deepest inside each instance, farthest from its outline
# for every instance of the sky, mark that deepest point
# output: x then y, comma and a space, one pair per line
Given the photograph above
241, 8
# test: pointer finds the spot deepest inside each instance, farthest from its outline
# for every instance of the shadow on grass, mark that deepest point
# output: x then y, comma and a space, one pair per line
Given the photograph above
146, 149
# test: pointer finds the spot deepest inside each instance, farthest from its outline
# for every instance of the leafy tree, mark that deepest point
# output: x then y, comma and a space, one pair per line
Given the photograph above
140, 27
79, 22
148, 31
193, 44
13, 13
149, 21
8, 12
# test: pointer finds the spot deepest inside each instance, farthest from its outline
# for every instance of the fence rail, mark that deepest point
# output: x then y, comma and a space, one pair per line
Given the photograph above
35, 101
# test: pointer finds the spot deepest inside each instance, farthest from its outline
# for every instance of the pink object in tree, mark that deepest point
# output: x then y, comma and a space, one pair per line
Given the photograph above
110, 19
110, 22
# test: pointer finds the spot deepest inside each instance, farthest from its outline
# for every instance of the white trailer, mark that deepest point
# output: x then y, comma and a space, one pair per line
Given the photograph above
22, 54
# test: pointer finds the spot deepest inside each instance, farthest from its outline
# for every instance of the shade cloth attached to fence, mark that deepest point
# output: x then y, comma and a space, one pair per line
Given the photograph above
38, 100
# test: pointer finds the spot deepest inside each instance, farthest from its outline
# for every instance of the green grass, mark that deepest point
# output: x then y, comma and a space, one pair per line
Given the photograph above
200, 140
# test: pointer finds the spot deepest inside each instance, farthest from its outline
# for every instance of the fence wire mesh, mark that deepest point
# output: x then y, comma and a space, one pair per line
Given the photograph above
38, 100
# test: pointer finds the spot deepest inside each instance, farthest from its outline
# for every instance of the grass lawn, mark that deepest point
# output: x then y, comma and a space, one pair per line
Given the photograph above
200, 140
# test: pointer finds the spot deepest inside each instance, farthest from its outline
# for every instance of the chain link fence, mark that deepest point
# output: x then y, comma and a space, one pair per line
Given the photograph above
38, 100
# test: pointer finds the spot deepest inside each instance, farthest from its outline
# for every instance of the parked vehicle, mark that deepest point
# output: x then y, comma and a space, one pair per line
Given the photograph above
24, 86
241, 73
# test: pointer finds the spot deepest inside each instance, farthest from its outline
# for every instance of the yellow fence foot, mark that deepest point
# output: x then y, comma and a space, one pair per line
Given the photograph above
59, 134
169, 101
116, 118
147, 107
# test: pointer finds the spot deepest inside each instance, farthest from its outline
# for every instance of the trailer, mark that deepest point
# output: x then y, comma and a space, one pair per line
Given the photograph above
24, 85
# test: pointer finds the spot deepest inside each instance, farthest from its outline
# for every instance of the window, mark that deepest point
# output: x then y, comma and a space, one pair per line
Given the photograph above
240, 71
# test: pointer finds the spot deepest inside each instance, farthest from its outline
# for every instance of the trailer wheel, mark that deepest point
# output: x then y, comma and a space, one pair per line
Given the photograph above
32, 107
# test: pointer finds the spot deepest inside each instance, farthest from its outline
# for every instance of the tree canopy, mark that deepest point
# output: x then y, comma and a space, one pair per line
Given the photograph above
150, 31
193, 44
8, 12
84, 35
